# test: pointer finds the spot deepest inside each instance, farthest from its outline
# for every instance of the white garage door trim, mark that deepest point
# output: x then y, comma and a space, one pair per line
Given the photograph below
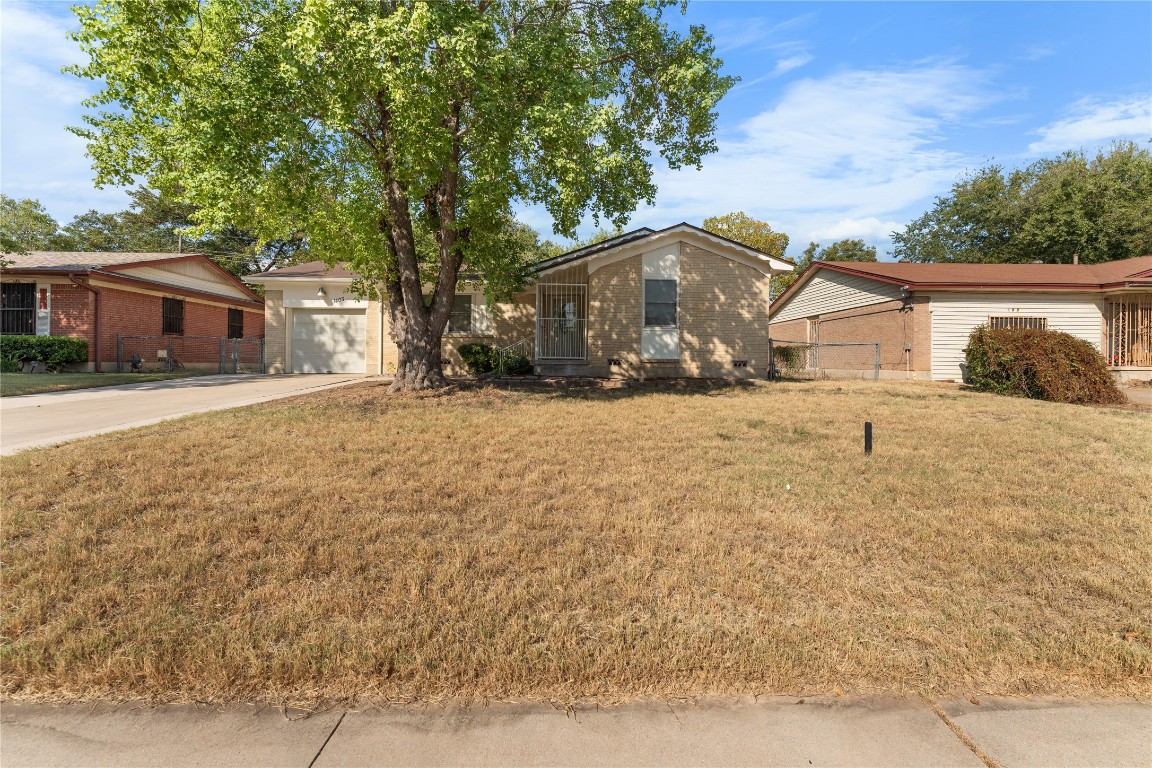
328, 341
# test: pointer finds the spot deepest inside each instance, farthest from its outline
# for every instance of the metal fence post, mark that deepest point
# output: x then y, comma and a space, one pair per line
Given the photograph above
235, 356
171, 353
876, 370
771, 361
221, 367
260, 348
119, 353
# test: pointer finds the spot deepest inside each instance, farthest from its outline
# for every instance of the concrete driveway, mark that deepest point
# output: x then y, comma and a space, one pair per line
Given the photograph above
779, 731
31, 421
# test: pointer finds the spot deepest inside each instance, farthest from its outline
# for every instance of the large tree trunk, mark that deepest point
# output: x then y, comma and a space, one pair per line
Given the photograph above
417, 326
419, 365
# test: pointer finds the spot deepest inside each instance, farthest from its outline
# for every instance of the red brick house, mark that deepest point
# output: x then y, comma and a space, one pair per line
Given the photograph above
100, 296
922, 314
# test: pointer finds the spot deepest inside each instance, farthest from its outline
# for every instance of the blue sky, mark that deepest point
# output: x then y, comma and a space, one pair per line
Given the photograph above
850, 117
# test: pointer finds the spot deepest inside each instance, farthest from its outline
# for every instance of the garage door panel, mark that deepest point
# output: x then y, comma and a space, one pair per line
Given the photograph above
328, 341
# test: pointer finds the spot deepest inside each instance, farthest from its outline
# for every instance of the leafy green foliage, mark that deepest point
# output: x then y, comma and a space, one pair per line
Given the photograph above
754, 233
26, 226
396, 134
1047, 365
153, 223
841, 250
1053, 211
789, 358
54, 351
480, 358
514, 364
550, 249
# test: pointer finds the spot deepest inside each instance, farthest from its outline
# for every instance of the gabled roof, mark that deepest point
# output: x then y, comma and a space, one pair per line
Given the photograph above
987, 277
644, 235
590, 250
118, 266
312, 270
81, 261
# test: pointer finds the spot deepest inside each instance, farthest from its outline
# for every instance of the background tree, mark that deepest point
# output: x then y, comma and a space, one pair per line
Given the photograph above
153, 223
550, 249
1054, 210
757, 234
163, 224
26, 226
374, 127
841, 250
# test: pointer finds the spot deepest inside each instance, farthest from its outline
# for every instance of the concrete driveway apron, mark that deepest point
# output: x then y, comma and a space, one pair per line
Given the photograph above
31, 421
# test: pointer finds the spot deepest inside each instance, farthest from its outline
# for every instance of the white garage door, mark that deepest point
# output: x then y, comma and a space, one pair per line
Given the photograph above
327, 341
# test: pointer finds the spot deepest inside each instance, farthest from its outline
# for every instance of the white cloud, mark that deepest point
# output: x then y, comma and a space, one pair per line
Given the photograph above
40, 158
791, 63
757, 33
1091, 122
870, 229
840, 156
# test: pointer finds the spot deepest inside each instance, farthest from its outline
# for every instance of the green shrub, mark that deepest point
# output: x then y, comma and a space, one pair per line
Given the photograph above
8, 365
479, 358
1046, 365
515, 364
54, 351
789, 358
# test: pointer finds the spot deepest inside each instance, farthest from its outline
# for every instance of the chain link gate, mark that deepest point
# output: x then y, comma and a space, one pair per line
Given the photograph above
167, 354
824, 360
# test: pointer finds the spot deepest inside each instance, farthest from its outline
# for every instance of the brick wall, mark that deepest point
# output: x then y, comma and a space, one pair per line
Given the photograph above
72, 314
892, 323
723, 318
511, 322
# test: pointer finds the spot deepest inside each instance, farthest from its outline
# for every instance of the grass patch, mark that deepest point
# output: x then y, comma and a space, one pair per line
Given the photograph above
586, 543
12, 384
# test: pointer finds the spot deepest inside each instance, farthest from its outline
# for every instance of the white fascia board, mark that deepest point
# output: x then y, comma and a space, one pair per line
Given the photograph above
734, 251
289, 280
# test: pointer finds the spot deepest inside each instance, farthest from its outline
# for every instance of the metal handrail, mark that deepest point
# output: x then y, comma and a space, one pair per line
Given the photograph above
523, 347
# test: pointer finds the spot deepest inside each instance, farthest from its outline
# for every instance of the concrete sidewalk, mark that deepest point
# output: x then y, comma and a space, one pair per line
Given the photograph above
776, 732
31, 421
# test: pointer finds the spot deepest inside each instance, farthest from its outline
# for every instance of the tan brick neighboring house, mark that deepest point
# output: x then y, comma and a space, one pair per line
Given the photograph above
647, 304
922, 314
102, 297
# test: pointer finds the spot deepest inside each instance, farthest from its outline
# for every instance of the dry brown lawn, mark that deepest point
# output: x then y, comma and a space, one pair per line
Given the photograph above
589, 543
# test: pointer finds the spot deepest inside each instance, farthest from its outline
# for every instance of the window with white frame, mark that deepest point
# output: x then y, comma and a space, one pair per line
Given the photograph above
460, 321
660, 304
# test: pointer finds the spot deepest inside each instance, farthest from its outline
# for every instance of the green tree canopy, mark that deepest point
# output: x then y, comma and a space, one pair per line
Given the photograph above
1054, 210
754, 233
164, 224
373, 127
26, 226
841, 250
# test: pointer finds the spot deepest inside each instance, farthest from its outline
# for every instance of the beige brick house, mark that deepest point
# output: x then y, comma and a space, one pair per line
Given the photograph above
922, 314
648, 304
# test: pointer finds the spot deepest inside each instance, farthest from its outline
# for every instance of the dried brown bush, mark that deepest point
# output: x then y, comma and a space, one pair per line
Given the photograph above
1040, 364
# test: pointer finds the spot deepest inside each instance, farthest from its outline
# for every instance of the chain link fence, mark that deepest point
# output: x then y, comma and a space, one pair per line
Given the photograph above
824, 360
139, 354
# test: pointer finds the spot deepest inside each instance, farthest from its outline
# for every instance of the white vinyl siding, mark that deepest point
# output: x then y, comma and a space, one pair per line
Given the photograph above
328, 341
955, 316
830, 291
